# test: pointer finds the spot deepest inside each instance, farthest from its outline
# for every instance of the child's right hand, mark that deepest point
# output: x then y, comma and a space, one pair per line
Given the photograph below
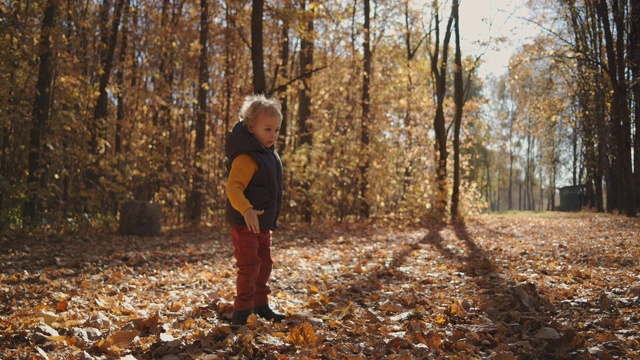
251, 218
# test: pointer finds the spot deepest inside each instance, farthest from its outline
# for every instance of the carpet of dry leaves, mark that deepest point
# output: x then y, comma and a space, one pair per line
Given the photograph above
513, 286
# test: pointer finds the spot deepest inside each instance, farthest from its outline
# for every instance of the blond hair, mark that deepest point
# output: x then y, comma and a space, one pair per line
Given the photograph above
259, 104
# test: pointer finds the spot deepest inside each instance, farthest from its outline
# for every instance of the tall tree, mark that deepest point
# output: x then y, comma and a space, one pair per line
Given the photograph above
120, 112
409, 121
457, 120
634, 64
196, 205
41, 108
285, 49
439, 73
257, 48
306, 64
366, 107
586, 34
305, 131
98, 127
620, 117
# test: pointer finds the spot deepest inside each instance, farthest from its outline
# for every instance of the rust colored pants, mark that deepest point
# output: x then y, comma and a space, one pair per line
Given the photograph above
253, 260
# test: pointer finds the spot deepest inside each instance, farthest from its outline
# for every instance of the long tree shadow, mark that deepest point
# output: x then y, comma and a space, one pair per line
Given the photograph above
486, 291
500, 296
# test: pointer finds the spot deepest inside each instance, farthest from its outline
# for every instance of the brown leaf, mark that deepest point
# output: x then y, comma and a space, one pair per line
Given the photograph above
605, 302
175, 306
431, 339
62, 305
149, 324
122, 339
373, 318
253, 322
524, 297
207, 275
303, 334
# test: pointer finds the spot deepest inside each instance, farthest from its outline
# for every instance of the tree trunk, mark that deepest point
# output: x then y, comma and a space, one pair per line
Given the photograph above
304, 94
41, 109
257, 51
305, 131
634, 60
120, 113
101, 110
229, 73
459, 102
364, 136
527, 176
167, 72
439, 72
196, 205
511, 159
520, 197
284, 73
498, 189
488, 165
591, 97
408, 118
620, 119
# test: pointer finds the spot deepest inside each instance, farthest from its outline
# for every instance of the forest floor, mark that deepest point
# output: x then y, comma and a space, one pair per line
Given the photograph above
525, 286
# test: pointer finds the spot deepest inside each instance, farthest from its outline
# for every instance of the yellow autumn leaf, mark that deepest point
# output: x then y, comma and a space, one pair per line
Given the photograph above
252, 322
303, 334
441, 319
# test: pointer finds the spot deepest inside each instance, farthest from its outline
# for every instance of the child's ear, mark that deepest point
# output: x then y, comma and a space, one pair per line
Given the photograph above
249, 127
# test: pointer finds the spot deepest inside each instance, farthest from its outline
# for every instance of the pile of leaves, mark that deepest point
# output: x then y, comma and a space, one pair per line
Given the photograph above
502, 287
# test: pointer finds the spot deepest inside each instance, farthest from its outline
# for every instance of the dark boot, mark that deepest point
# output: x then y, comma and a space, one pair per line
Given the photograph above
265, 311
240, 317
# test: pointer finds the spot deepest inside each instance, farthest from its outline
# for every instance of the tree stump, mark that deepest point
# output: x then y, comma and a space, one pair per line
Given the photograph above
140, 218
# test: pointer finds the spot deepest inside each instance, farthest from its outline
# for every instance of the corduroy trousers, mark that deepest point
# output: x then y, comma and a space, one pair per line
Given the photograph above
253, 260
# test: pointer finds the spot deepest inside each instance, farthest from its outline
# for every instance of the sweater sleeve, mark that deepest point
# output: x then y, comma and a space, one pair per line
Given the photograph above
242, 170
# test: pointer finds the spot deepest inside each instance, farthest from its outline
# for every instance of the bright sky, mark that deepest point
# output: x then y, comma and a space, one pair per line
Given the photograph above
486, 20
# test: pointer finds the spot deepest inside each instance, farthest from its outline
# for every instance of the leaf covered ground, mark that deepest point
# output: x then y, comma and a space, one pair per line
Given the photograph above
502, 286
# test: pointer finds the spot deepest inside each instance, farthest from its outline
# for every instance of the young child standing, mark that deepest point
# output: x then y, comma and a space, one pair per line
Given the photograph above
254, 191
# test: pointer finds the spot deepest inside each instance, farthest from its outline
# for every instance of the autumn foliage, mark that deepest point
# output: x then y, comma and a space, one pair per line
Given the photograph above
131, 100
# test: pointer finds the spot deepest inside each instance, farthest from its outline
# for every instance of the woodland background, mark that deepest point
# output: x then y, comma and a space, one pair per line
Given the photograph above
107, 101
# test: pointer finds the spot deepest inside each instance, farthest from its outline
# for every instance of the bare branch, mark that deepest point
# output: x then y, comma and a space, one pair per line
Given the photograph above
303, 76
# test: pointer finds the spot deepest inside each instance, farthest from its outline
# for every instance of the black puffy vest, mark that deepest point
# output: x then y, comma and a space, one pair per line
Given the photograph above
264, 191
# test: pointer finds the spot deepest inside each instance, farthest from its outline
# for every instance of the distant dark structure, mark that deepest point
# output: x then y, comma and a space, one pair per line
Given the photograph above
140, 218
572, 198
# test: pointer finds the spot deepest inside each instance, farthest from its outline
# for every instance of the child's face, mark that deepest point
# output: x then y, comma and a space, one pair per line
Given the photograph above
265, 128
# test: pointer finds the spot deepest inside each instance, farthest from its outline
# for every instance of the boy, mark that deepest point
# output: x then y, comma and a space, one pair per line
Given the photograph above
254, 191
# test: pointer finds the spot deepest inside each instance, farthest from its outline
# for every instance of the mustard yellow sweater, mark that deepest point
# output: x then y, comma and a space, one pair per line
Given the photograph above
242, 170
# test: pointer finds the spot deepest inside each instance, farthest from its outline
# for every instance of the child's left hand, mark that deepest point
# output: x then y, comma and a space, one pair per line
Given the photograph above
251, 218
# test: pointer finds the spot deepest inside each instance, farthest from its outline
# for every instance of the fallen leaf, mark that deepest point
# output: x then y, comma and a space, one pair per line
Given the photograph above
175, 306
303, 334
42, 353
62, 305
547, 333
431, 339
253, 322
122, 339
